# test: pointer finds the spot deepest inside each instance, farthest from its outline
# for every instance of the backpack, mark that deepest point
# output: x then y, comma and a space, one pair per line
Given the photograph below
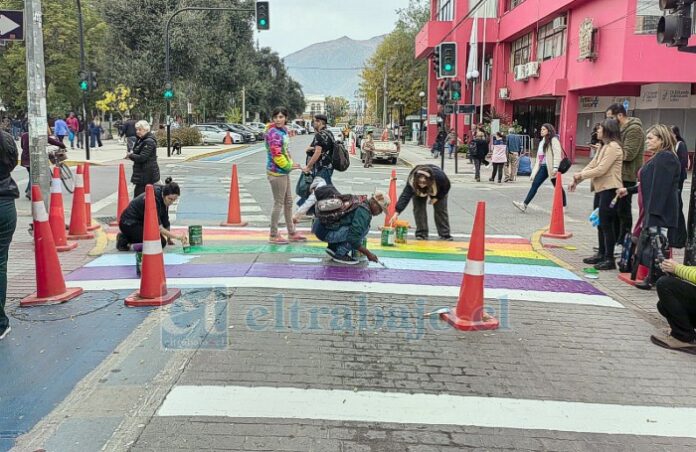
340, 159
331, 206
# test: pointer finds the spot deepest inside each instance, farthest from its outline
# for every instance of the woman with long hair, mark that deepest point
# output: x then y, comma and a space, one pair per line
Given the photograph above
605, 173
278, 167
549, 156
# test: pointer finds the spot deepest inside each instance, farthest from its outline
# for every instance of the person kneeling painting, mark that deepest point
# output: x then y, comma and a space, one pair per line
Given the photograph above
343, 222
132, 221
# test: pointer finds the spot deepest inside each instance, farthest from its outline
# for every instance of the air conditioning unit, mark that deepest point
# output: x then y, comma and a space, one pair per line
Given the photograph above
504, 94
533, 69
559, 23
521, 72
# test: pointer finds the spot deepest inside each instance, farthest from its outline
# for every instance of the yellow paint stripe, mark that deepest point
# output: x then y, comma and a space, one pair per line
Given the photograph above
101, 241
539, 248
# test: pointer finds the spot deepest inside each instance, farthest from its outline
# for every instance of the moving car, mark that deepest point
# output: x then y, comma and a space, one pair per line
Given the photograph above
215, 135
384, 150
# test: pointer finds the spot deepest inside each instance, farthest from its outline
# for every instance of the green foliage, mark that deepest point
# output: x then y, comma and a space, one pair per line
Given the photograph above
234, 115
187, 136
336, 108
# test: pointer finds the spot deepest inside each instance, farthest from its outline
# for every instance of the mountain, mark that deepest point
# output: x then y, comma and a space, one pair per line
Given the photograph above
319, 67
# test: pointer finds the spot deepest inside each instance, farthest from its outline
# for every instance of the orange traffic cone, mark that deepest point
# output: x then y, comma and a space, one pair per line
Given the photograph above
122, 195
391, 210
153, 282
234, 214
557, 226
88, 200
642, 273
228, 138
56, 217
50, 285
78, 225
469, 313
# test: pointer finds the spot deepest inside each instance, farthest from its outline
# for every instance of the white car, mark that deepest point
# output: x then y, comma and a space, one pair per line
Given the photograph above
215, 135
337, 133
257, 126
298, 128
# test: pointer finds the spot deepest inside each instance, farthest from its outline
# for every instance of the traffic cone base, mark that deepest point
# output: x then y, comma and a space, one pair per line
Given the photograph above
135, 300
86, 236
93, 227
551, 235
34, 300
243, 223
486, 323
640, 276
69, 247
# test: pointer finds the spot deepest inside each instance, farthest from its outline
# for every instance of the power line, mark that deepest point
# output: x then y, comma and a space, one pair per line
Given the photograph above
316, 68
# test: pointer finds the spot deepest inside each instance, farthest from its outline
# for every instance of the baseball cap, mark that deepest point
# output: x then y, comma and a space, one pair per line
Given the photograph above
321, 117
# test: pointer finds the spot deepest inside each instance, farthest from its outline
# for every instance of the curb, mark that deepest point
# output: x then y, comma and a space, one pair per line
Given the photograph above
82, 162
213, 153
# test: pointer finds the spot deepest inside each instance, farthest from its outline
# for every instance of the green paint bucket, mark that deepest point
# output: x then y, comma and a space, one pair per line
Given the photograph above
138, 262
196, 235
387, 236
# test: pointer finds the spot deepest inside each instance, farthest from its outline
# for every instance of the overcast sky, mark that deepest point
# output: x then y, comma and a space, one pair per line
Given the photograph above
296, 24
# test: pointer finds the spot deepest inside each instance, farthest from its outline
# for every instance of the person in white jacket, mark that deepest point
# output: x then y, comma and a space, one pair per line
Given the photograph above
318, 182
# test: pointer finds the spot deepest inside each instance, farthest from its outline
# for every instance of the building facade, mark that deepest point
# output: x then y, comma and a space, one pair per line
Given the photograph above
562, 62
315, 104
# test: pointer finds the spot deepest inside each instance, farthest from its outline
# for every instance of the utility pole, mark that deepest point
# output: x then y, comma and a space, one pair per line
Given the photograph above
85, 121
243, 105
36, 96
384, 112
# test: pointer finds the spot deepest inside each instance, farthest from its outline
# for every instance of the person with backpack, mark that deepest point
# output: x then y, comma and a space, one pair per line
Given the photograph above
320, 152
278, 167
426, 181
343, 221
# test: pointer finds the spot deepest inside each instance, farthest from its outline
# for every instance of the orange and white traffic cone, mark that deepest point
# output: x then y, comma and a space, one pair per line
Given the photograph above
88, 199
228, 138
642, 273
469, 314
50, 285
153, 282
234, 213
391, 210
78, 224
56, 216
123, 200
557, 226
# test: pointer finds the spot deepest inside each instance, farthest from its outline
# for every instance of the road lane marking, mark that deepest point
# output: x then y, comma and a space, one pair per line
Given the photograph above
429, 409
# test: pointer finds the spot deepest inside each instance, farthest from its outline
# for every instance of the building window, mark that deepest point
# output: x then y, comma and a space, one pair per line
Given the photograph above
513, 4
521, 51
445, 10
551, 38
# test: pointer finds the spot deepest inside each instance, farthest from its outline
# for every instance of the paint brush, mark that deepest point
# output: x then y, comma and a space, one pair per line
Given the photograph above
436, 312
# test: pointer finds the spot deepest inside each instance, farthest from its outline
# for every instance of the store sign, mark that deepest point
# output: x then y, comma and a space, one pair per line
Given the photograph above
649, 97
665, 95
590, 104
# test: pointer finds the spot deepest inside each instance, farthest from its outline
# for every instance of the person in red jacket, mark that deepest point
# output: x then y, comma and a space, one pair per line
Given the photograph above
74, 127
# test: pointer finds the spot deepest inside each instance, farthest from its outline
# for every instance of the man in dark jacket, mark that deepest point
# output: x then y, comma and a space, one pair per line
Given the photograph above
426, 181
8, 217
129, 131
633, 144
144, 156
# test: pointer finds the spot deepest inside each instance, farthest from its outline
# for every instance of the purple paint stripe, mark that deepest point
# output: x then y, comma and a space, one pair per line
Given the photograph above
339, 273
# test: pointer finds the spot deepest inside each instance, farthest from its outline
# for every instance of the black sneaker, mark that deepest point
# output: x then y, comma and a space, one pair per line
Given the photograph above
606, 265
330, 252
5, 332
421, 237
122, 243
596, 259
446, 238
345, 260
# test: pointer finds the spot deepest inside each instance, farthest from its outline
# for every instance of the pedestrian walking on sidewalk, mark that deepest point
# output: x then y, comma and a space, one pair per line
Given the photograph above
144, 156
95, 131
548, 158
514, 145
60, 129
480, 152
279, 164
132, 222
604, 171
439, 144
129, 133
498, 157
368, 148
426, 182
8, 217
451, 142
74, 127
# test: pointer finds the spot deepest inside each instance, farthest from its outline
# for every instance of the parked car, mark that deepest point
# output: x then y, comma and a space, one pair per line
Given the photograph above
215, 135
247, 136
256, 125
258, 134
337, 133
297, 128
384, 150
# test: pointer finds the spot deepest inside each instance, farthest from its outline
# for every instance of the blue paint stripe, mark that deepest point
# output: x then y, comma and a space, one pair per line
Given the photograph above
233, 155
125, 259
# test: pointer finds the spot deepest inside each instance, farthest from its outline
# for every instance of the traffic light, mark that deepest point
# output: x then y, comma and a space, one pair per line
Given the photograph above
456, 91
93, 80
674, 29
84, 81
262, 16
448, 59
168, 91
436, 61
441, 93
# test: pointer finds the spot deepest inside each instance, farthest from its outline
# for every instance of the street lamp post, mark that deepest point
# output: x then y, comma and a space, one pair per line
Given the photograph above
421, 129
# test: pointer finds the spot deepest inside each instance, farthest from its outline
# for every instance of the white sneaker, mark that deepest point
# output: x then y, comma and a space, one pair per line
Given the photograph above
520, 205
5, 333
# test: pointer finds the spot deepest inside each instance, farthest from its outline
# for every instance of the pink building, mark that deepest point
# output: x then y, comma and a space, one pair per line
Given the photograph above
564, 62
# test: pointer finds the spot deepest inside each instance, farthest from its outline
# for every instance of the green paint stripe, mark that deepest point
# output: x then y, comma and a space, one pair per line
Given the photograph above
313, 250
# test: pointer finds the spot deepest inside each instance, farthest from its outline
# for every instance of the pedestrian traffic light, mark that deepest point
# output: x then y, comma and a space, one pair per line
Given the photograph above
456, 91
674, 29
93, 80
262, 16
448, 59
441, 94
168, 91
84, 81
436, 61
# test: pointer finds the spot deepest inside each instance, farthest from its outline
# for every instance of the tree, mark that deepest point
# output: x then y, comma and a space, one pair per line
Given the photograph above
336, 108
406, 77
121, 100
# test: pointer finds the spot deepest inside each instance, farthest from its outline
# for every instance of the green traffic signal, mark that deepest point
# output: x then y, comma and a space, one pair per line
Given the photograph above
262, 22
448, 67
169, 94
456, 96
84, 86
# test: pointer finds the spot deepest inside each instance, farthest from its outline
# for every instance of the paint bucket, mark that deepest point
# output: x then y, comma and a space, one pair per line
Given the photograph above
196, 235
387, 236
138, 262
401, 231
357, 254
187, 249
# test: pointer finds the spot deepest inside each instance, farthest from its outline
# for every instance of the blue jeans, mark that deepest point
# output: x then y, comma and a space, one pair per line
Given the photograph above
336, 238
323, 172
8, 223
450, 149
539, 179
